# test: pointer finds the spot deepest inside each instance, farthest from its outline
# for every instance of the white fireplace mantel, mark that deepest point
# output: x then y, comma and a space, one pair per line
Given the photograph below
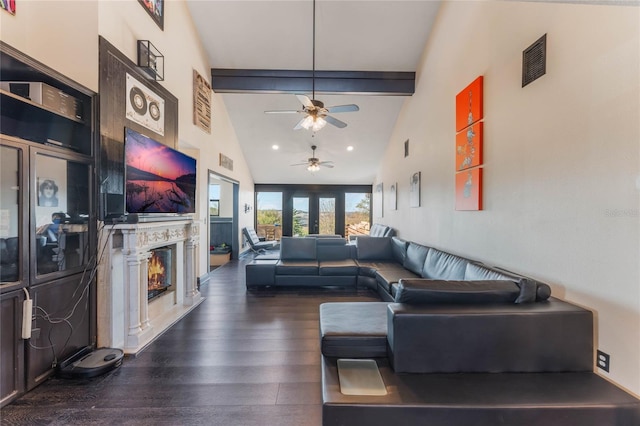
126, 319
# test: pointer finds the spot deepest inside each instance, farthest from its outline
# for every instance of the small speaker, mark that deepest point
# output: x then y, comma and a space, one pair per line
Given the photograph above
534, 61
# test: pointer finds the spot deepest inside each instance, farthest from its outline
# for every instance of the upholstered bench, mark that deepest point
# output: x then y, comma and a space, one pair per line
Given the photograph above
353, 329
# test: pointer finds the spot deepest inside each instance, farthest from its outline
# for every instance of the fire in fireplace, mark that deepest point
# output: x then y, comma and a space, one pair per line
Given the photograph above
159, 274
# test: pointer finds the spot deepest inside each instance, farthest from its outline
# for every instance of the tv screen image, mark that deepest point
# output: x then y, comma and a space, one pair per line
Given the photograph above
159, 179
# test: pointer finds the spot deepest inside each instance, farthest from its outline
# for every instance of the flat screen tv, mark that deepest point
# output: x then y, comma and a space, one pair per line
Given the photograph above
158, 179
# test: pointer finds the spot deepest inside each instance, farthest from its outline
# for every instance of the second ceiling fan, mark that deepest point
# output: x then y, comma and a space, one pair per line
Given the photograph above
316, 114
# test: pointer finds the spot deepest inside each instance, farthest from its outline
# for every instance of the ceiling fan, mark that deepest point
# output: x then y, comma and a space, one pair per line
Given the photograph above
313, 164
316, 114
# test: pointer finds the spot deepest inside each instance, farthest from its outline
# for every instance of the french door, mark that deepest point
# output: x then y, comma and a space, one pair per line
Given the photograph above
314, 214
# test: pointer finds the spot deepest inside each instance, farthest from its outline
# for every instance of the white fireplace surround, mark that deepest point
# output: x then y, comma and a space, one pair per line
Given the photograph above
126, 319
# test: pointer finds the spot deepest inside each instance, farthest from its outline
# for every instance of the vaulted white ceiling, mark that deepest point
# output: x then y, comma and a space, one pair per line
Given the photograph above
357, 35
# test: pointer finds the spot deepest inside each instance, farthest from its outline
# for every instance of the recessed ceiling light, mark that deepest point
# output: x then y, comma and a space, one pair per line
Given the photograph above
349, 148
275, 147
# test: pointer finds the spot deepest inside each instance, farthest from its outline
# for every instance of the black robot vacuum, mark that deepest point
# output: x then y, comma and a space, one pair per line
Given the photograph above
89, 362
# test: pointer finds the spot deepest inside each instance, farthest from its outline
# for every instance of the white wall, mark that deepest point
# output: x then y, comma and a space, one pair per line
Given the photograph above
64, 35
561, 156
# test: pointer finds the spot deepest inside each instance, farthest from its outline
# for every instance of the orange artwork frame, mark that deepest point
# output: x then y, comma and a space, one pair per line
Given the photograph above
469, 147
469, 107
469, 189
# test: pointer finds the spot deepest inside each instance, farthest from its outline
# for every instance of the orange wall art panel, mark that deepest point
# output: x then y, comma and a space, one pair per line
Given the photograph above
469, 104
469, 147
469, 190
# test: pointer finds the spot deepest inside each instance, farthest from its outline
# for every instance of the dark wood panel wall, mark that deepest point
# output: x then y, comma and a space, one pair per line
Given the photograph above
114, 66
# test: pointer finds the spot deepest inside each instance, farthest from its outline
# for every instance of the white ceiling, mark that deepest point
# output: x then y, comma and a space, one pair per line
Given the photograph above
357, 35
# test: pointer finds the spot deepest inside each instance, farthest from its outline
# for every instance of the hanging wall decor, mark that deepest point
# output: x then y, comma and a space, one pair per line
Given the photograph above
144, 106
469, 104
469, 189
469, 146
377, 201
155, 9
9, 6
414, 190
201, 102
393, 196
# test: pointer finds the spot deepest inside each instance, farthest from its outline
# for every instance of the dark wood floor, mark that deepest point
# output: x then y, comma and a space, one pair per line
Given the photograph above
240, 358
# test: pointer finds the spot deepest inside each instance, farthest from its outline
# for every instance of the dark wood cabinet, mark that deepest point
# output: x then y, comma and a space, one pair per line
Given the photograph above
47, 219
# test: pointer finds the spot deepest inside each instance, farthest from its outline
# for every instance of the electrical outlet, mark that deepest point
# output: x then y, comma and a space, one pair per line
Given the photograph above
603, 361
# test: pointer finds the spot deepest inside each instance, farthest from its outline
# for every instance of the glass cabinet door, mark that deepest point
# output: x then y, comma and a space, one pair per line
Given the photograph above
61, 200
11, 265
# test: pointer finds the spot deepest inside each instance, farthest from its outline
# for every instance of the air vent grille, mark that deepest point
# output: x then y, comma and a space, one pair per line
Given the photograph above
534, 61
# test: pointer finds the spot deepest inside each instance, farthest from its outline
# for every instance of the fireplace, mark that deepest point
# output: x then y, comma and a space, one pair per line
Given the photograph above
159, 272
127, 280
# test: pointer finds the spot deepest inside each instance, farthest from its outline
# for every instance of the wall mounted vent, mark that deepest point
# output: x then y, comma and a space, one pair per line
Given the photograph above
534, 61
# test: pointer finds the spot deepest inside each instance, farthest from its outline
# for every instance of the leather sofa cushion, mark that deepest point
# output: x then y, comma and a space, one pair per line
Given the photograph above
421, 291
443, 266
529, 288
297, 267
416, 255
374, 248
399, 249
379, 230
294, 248
391, 274
369, 268
353, 329
338, 267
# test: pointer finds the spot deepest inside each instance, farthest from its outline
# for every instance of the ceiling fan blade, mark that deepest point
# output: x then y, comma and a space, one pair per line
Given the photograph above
343, 108
299, 125
328, 164
304, 163
305, 101
282, 111
335, 122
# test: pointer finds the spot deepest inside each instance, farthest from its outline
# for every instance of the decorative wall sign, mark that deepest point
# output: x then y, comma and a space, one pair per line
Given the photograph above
393, 198
155, 9
378, 211
414, 190
201, 102
469, 147
469, 190
469, 107
144, 106
226, 162
9, 6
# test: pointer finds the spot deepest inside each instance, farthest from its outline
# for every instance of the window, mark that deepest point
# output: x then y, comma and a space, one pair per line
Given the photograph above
357, 214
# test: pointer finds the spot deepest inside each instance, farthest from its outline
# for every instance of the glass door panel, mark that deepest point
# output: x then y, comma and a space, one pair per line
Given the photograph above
269, 215
357, 214
300, 216
10, 216
327, 215
61, 189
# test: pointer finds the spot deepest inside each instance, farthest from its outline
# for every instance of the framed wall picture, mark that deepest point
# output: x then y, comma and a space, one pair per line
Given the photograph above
214, 207
393, 198
47, 192
414, 190
469, 147
9, 6
469, 104
469, 189
155, 9
378, 201
201, 102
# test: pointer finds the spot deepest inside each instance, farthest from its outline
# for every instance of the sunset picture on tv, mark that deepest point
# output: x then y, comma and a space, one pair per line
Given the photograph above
159, 179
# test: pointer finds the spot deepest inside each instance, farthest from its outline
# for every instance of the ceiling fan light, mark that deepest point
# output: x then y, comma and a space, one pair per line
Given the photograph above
307, 122
313, 168
318, 124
